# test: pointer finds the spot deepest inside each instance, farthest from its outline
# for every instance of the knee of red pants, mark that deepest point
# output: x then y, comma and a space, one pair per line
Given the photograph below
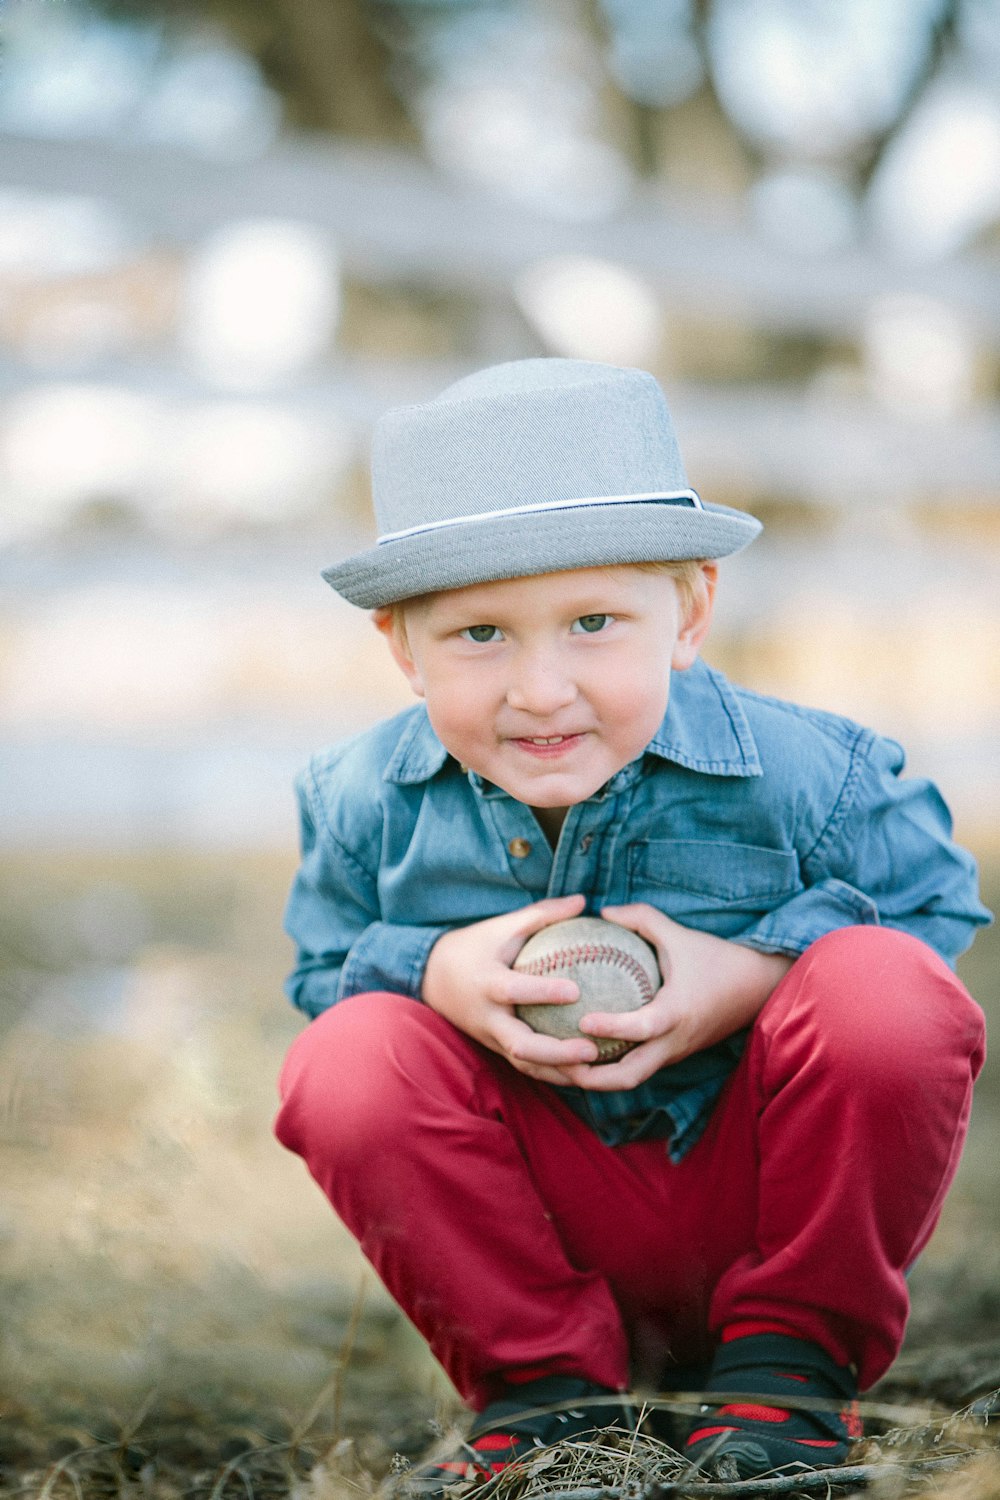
352, 1079
880, 1004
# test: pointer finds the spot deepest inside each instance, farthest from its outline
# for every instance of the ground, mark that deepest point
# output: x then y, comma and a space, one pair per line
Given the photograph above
182, 1315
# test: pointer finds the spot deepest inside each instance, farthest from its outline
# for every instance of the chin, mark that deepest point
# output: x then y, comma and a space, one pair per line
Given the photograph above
558, 797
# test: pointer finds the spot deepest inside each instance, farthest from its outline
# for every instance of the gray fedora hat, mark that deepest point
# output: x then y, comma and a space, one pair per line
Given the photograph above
531, 467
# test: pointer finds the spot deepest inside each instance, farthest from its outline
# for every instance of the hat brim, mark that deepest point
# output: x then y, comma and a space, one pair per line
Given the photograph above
490, 550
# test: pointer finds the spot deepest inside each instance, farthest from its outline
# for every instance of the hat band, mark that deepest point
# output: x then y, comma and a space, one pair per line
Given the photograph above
676, 497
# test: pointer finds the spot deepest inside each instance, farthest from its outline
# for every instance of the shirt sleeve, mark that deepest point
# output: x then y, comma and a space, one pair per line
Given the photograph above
332, 916
884, 856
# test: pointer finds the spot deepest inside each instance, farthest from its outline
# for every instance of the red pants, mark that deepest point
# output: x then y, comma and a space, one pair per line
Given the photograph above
520, 1246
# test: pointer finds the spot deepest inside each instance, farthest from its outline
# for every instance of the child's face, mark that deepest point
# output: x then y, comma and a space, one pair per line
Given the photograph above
547, 686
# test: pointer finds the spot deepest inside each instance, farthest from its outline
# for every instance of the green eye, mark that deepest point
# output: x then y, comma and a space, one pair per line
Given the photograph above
481, 635
591, 624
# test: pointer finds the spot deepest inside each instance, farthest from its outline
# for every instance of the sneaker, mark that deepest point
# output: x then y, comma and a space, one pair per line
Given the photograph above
747, 1439
508, 1432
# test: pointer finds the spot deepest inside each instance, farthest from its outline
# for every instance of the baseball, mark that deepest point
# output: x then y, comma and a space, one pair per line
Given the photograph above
615, 969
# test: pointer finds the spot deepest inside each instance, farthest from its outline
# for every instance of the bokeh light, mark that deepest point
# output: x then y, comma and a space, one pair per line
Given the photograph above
509, 98
261, 303
653, 54
817, 79
61, 445
251, 462
920, 357
44, 234
68, 71
118, 656
938, 184
589, 309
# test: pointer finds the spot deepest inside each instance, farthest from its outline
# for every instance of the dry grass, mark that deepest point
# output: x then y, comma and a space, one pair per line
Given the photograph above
172, 1455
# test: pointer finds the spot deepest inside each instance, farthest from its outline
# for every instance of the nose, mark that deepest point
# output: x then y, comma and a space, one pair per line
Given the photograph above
539, 686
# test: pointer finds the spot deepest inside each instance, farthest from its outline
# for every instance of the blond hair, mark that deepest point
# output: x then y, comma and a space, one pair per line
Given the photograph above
688, 577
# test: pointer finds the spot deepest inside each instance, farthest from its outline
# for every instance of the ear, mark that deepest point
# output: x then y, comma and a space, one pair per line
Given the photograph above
389, 623
694, 626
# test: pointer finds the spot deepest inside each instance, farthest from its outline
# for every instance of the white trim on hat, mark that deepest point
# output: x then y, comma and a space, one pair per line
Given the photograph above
542, 505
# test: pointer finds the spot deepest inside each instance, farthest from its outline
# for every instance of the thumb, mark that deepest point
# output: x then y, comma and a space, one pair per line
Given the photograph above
531, 919
543, 913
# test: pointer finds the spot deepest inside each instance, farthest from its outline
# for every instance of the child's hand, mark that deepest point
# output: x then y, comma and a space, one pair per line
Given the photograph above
469, 980
713, 988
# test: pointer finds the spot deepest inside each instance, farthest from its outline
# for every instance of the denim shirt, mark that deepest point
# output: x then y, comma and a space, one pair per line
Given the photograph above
747, 817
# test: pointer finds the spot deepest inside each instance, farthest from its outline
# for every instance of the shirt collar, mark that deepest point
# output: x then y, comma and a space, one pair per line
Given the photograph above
419, 754
705, 729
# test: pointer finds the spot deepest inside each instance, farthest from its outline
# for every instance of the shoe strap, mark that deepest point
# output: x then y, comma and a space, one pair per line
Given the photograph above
759, 1356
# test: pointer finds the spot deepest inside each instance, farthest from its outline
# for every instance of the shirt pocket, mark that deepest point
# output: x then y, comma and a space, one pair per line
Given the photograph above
721, 887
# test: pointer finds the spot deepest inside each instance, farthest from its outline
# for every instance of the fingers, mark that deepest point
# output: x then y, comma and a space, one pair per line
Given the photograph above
509, 987
536, 1054
559, 1076
626, 1073
642, 1025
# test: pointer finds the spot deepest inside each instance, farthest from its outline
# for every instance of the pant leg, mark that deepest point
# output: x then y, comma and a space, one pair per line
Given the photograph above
403, 1124
857, 1084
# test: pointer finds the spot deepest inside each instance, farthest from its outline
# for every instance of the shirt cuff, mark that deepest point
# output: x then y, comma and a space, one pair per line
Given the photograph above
823, 908
388, 957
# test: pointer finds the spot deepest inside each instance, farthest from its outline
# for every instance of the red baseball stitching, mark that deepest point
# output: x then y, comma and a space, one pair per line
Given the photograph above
592, 953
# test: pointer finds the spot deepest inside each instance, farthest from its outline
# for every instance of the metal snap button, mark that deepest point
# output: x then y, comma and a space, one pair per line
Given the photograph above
520, 848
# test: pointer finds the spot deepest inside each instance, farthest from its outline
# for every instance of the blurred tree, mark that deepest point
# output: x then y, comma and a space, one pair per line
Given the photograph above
341, 65
703, 93
323, 57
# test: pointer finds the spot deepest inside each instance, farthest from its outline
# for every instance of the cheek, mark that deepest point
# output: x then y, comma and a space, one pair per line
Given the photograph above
458, 709
637, 704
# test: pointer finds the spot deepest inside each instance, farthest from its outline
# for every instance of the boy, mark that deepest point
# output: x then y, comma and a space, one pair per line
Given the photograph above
736, 1201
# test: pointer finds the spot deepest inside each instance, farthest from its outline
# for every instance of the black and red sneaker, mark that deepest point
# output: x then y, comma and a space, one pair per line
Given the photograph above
510, 1431
747, 1439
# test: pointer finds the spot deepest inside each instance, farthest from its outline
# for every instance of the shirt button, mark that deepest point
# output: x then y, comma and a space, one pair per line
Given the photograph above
520, 848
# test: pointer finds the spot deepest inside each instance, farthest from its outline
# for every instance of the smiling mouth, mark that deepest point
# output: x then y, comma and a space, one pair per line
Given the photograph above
546, 741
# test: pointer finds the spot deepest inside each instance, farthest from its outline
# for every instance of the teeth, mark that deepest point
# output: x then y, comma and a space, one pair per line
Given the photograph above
555, 739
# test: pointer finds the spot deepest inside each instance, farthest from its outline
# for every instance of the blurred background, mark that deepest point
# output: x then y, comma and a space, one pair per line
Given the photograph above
231, 233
